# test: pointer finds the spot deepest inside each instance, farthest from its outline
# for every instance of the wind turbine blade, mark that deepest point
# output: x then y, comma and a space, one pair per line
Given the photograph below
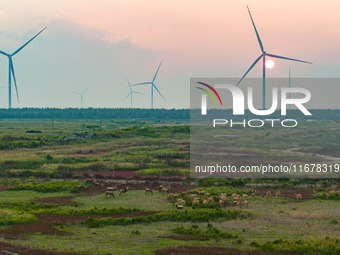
129, 84
4, 53
133, 92
15, 52
154, 78
292, 59
85, 90
76, 93
257, 34
13, 74
159, 92
144, 83
257, 60
126, 97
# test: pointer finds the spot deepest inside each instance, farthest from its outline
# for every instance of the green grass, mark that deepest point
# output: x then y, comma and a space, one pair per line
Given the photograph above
11, 217
6, 196
132, 199
49, 186
114, 240
154, 148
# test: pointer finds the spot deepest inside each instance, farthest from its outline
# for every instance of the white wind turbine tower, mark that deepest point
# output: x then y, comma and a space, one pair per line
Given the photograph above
131, 92
11, 70
263, 56
81, 96
153, 86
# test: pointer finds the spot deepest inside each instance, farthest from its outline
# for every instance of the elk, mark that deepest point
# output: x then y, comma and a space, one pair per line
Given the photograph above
298, 197
111, 188
205, 202
97, 184
192, 196
148, 190
122, 183
246, 203
109, 193
89, 181
245, 196
278, 194
210, 199
201, 193
81, 187
123, 191
165, 190
179, 207
196, 201
180, 200
268, 193
160, 187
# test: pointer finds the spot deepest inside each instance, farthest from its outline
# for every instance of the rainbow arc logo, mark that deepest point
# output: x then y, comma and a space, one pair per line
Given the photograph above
209, 93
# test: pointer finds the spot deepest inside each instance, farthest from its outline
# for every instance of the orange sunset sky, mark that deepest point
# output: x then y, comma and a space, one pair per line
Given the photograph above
98, 44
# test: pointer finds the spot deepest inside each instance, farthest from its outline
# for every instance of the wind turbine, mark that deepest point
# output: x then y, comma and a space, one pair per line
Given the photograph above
263, 56
11, 70
131, 92
81, 96
152, 86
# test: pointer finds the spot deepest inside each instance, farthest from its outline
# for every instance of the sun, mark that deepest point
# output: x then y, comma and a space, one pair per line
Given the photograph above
270, 64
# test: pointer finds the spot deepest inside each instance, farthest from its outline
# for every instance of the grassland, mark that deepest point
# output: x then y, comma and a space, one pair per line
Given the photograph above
42, 208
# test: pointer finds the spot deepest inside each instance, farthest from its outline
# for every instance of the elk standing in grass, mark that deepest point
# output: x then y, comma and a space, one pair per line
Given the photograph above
81, 187
109, 193
97, 184
123, 191
148, 191
298, 197
246, 203
179, 207
111, 188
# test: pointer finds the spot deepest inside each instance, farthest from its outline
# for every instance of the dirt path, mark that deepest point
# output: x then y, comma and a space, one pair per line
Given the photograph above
46, 222
66, 200
9, 249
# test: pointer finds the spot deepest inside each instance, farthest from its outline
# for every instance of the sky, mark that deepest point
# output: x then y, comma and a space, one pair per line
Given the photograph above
99, 44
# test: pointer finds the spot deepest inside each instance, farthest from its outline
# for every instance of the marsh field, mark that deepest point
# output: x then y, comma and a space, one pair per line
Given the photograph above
79, 187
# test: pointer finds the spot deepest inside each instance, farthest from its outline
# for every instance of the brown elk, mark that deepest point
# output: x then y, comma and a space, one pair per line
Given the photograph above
298, 197
111, 188
148, 190
123, 191
246, 203
179, 207
81, 187
98, 184
109, 193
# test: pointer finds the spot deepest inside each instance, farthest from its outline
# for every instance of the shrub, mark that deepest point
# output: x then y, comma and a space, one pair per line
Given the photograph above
198, 215
325, 196
49, 186
326, 246
11, 217
210, 232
